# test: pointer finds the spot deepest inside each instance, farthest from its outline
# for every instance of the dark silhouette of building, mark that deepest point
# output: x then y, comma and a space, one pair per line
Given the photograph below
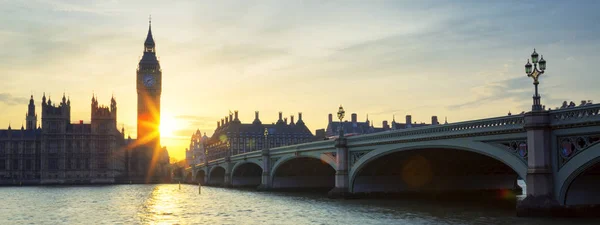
61, 152
149, 161
232, 137
354, 127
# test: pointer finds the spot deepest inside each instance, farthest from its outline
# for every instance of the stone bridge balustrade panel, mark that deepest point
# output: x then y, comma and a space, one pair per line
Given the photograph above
492, 126
575, 117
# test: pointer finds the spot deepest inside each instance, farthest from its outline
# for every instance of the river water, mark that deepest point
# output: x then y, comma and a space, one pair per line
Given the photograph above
171, 204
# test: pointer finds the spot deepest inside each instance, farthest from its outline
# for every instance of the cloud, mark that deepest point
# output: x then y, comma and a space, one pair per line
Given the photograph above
8, 99
515, 89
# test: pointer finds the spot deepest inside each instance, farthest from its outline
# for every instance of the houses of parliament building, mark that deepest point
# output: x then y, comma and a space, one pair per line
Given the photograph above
58, 151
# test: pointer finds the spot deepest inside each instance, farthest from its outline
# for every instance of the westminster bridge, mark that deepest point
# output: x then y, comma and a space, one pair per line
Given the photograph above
555, 152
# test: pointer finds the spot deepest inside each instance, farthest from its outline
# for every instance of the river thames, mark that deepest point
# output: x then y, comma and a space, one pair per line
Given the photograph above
169, 204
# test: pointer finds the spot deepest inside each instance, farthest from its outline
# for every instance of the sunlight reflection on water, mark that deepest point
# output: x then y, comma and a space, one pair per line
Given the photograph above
167, 204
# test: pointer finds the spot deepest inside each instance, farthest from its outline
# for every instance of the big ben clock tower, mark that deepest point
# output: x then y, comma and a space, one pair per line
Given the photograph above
149, 84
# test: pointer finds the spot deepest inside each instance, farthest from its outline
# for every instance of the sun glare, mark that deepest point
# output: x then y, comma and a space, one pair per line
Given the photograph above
167, 126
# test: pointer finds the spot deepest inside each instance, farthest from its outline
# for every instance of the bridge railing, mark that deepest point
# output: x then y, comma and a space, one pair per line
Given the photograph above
315, 145
575, 115
497, 123
504, 123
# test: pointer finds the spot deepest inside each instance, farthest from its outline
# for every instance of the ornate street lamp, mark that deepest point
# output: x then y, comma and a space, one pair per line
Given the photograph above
228, 148
535, 74
340, 115
266, 146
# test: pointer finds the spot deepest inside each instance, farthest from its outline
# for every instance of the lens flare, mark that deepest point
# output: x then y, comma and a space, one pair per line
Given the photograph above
417, 171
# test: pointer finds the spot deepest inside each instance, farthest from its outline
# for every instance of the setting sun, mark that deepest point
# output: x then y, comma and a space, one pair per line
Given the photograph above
167, 125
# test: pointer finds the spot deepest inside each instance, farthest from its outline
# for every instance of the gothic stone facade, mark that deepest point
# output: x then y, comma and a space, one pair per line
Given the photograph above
61, 152
232, 137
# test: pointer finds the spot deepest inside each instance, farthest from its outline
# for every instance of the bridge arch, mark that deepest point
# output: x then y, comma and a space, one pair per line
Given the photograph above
323, 157
458, 145
246, 173
304, 171
568, 176
216, 175
255, 162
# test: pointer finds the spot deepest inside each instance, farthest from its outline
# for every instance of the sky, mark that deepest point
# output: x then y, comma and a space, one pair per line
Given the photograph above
462, 60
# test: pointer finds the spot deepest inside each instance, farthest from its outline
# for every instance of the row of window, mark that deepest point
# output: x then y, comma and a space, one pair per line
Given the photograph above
14, 164
17, 144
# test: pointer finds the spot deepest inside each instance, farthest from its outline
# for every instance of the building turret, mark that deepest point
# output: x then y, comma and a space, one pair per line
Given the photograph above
256, 119
236, 119
300, 121
291, 119
64, 100
113, 106
280, 120
104, 118
31, 116
55, 119
44, 99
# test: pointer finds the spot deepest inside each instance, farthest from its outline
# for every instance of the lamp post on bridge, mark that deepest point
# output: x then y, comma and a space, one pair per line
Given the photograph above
340, 115
229, 152
535, 74
266, 160
341, 189
541, 198
266, 134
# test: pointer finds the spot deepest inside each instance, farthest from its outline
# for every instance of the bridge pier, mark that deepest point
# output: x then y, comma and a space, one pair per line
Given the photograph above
206, 177
266, 174
342, 180
227, 180
541, 199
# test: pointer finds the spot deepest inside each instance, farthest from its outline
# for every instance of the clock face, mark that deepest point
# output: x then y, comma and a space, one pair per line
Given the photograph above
148, 80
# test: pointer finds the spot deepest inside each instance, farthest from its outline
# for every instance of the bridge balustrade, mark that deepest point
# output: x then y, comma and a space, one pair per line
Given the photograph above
505, 122
576, 115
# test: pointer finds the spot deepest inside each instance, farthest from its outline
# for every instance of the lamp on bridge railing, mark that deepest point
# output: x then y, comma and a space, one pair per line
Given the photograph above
535, 74
340, 115
228, 147
266, 146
